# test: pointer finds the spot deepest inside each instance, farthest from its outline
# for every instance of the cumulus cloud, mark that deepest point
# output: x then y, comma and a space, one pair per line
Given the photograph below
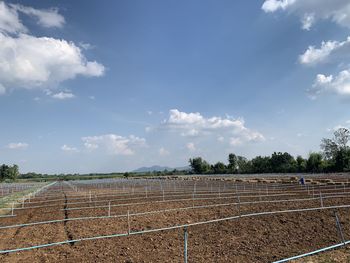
339, 84
307, 21
274, 5
309, 11
194, 124
328, 50
17, 145
31, 62
9, 20
114, 144
67, 148
46, 18
234, 141
163, 152
2, 89
63, 95
191, 146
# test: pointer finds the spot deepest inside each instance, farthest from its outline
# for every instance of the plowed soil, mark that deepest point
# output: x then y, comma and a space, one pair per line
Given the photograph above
264, 238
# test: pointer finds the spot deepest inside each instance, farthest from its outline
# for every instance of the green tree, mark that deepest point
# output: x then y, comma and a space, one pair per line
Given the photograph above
232, 163
336, 150
244, 166
219, 168
199, 166
301, 164
9, 172
261, 164
314, 163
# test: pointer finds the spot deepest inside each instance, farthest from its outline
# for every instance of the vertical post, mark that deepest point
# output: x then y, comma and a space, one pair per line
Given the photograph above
239, 205
163, 196
260, 195
321, 199
109, 208
128, 222
12, 207
193, 199
23, 201
185, 244
90, 196
146, 192
340, 231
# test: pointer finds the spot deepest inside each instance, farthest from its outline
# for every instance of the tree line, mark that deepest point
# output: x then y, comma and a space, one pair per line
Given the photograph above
334, 157
8, 172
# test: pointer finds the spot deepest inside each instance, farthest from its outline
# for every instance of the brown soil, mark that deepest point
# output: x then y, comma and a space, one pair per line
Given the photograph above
256, 239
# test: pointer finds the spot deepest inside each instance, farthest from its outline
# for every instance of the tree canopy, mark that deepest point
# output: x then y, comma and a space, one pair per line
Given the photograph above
335, 157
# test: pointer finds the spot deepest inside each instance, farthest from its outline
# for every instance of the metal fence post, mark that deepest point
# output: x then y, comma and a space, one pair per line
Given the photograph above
128, 222
340, 231
185, 244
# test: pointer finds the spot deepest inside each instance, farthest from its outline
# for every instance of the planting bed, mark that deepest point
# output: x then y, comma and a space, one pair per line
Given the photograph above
133, 208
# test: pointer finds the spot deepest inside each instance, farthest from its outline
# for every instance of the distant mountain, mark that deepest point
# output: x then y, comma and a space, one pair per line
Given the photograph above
158, 168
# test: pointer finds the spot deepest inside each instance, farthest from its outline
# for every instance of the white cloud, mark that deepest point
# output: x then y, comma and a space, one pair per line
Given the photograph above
2, 89
234, 141
9, 20
31, 62
191, 146
114, 144
37, 63
339, 84
274, 5
86, 46
309, 11
17, 145
46, 18
63, 95
328, 50
67, 148
221, 139
307, 21
194, 124
163, 152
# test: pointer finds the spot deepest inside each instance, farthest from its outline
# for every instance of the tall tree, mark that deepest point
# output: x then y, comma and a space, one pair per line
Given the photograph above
232, 163
199, 166
336, 150
314, 163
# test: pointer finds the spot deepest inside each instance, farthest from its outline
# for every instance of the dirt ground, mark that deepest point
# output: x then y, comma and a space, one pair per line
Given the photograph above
264, 238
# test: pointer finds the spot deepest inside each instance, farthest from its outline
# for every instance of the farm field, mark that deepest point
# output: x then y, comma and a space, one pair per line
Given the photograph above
143, 220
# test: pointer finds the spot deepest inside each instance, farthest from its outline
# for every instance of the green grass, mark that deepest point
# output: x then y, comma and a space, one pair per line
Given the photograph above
15, 198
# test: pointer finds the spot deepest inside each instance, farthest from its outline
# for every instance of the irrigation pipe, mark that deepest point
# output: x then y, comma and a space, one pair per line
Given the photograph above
178, 194
313, 252
159, 211
138, 203
150, 212
173, 227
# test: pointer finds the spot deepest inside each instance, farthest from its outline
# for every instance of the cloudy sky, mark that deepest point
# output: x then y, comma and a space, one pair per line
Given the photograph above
87, 86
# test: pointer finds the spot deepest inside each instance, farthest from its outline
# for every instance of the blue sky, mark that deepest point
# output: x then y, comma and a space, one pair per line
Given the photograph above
87, 86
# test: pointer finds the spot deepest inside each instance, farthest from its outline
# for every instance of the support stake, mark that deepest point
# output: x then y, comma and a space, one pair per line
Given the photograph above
340, 230
128, 222
185, 244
